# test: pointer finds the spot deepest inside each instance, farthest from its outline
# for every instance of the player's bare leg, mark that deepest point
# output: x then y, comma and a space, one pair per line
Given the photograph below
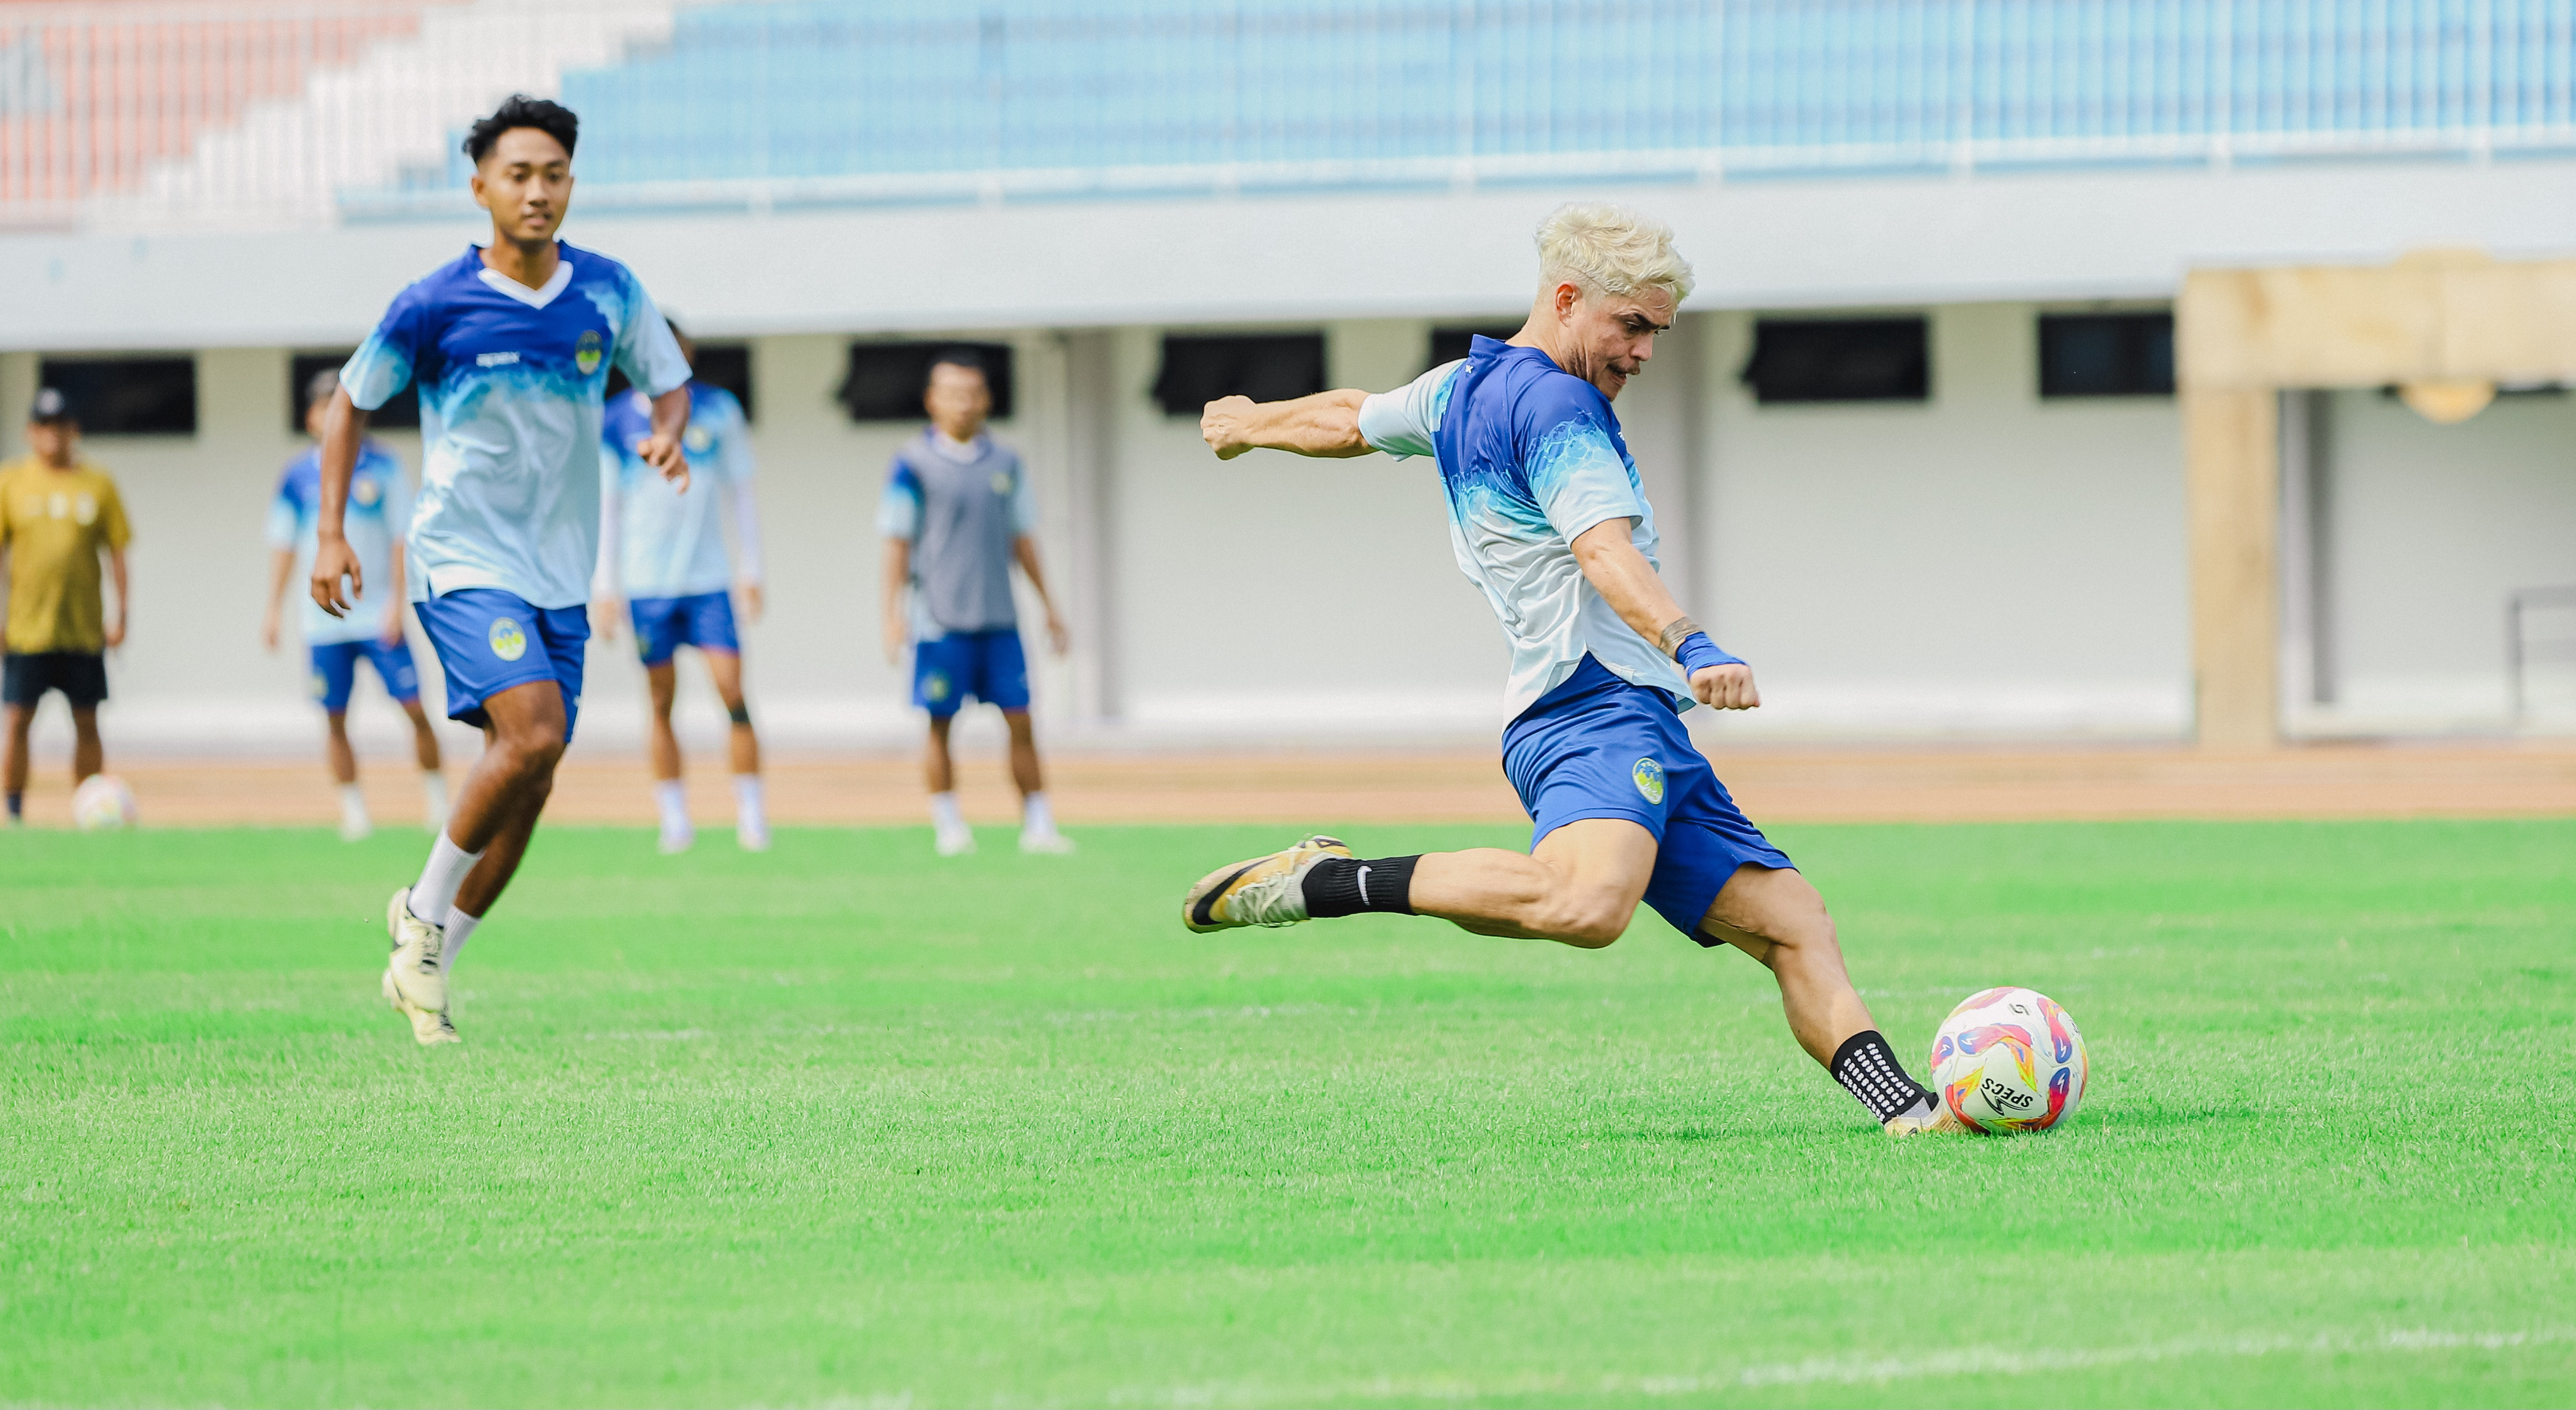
751, 815
354, 823
13, 769
939, 774
1037, 816
662, 681
433, 779
88, 755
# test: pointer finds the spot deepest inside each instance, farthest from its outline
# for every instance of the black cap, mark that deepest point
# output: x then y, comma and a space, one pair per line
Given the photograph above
52, 408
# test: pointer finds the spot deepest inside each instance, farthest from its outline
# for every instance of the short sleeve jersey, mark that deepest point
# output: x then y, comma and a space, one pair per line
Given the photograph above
510, 385
53, 524
671, 544
378, 512
962, 510
1530, 457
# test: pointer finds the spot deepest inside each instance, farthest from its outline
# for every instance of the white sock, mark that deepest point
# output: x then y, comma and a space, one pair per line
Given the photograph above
944, 814
353, 806
750, 810
1036, 818
433, 797
673, 800
434, 895
460, 928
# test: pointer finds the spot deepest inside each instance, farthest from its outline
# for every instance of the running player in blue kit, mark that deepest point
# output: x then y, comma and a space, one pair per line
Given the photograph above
1547, 517
662, 554
379, 510
510, 346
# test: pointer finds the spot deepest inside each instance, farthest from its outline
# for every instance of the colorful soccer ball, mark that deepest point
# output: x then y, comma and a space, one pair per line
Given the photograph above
102, 802
2009, 1060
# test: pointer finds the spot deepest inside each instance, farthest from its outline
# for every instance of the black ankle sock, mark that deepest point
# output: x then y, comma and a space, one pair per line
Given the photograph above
17, 805
1337, 886
1868, 1069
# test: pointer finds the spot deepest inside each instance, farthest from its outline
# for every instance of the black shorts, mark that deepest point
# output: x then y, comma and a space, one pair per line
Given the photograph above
80, 675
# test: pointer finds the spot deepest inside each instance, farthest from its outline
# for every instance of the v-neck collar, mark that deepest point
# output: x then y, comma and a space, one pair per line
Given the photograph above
503, 284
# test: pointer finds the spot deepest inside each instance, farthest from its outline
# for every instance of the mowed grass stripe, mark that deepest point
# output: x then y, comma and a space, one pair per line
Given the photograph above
848, 1123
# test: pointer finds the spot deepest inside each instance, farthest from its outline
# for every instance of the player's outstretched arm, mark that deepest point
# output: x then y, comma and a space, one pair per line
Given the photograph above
1634, 590
1325, 424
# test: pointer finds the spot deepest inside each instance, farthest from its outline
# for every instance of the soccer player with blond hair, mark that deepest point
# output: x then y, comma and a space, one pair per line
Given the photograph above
1548, 518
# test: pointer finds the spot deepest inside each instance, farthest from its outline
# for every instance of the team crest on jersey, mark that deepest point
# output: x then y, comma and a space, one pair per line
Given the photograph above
508, 641
1650, 780
698, 439
1001, 482
365, 493
588, 352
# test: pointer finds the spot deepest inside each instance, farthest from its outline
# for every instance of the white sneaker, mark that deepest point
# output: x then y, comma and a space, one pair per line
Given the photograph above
1047, 844
415, 981
676, 840
356, 827
959, 843
752, 836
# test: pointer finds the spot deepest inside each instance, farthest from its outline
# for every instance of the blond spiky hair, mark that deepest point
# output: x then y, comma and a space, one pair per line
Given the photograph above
1610, 249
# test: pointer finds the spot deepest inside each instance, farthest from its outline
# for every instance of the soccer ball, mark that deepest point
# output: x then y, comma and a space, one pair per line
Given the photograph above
101, 803
2009, 1060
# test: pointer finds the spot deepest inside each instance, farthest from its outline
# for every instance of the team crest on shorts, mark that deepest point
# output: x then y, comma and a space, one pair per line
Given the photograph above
586, 353
934, 687
1650, 780
698, 439
321, 686
509, 643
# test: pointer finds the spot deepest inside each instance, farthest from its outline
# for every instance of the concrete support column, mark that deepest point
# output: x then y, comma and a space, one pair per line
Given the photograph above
2231, 440
1090, 466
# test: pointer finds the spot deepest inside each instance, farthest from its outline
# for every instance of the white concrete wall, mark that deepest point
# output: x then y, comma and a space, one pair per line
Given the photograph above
1983, 561
2427, 529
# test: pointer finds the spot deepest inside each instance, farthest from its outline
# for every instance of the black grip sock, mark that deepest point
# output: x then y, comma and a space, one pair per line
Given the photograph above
1868, 1069
1337, 886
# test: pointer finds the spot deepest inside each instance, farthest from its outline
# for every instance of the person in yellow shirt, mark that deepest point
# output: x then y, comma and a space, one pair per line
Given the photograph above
58, 517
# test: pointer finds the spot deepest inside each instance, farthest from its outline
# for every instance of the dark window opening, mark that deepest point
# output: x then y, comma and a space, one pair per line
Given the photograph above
1198, 369
401, 412
126, 396
1450, 344
2106, 355
726, 365
1842, 359
885, 380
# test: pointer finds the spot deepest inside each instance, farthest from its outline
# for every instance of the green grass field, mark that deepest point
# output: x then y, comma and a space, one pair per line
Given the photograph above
849, 1124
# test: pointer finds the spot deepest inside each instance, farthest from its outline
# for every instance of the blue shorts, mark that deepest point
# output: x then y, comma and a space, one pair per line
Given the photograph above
335, 671
488, 640
665, 624
1598, 747
986, 665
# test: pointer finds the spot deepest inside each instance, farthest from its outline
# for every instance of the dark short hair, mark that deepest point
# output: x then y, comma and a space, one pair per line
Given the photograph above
519, 110
967, 358
676, 330
320, 386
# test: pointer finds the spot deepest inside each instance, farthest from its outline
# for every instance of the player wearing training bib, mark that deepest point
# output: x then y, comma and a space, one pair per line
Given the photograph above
662, 553
956, 514
510, 347
1548, 519
378, 512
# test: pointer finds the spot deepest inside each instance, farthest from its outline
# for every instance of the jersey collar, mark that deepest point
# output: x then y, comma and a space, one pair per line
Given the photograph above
501, 283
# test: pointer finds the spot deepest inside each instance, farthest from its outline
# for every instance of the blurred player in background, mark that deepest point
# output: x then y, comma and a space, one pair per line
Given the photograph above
59, 515
662, 553
1547, 516
379, 510
958, 511
510, 346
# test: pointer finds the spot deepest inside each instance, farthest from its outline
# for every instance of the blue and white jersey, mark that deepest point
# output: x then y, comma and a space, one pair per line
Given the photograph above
379, 510
656, 541
510, 380
1530, 457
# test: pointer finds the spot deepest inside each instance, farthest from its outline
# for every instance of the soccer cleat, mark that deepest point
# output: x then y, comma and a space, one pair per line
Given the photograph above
1939, 1120
415, 981
1263, 891
1047, 844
